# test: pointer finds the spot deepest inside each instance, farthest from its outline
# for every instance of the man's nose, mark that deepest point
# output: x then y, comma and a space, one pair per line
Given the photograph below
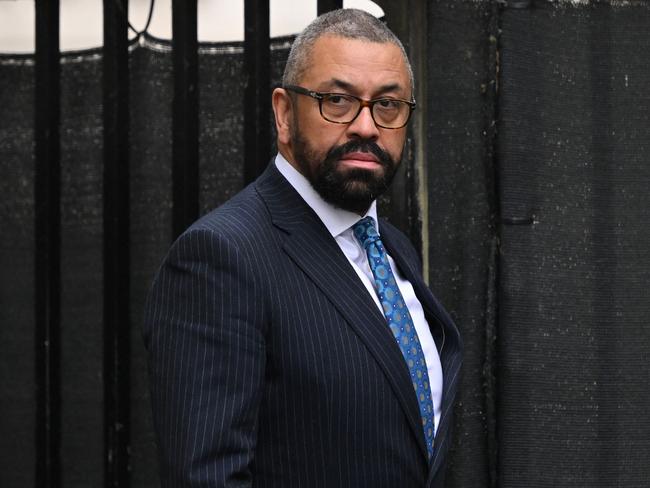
363, 126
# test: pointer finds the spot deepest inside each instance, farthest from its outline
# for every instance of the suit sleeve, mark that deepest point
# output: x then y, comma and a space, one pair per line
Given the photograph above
203, 332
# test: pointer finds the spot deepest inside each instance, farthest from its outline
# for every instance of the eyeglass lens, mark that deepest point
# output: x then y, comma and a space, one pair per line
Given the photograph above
386, 112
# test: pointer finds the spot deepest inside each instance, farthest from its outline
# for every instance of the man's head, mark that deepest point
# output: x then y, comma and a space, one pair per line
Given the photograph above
349, 160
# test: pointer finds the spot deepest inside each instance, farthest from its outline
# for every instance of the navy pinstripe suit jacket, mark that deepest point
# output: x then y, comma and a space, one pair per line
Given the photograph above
271, 365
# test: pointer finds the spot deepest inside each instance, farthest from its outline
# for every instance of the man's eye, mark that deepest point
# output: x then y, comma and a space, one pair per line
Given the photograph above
338, 100
388, 103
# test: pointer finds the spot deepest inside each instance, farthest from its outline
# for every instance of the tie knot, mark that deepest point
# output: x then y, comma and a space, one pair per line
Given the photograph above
365, 231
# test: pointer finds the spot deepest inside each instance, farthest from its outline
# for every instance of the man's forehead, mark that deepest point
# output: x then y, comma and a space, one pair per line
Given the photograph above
339, 61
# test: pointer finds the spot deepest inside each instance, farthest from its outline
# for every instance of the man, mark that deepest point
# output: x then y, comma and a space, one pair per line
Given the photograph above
292, 339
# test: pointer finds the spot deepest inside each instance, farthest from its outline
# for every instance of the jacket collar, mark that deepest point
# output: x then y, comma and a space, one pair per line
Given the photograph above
447, 339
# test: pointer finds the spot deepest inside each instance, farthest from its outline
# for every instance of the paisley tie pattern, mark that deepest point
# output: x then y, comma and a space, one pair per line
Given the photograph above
399, 320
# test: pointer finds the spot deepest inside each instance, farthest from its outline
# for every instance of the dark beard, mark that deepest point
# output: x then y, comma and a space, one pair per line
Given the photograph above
353, 190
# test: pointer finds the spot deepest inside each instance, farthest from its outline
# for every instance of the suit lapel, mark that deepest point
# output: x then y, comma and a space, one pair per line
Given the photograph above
317, 254
447, 340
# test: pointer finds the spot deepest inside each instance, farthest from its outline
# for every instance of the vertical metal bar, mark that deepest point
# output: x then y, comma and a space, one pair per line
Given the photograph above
324, 6
47, 195
185, 123
257, 102
116, 246
407, 193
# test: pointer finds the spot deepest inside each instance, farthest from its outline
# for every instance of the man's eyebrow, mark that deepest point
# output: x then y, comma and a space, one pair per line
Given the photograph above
389, 88
349, 87
336, 83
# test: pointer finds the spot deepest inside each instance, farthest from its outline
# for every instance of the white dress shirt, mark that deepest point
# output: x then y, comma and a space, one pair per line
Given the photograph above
339, 223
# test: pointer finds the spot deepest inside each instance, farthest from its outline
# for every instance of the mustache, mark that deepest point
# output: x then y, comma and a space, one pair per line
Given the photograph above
338, 152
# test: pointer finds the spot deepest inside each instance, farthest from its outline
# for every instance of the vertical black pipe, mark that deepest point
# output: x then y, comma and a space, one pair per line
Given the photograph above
185, 123
47, 225
324, 6
116, 246
257, 101
408, 20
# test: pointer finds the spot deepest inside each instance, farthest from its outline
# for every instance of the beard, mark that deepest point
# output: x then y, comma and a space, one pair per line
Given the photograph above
353, 189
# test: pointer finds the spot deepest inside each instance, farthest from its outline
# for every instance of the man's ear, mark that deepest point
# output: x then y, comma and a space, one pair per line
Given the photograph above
282, 108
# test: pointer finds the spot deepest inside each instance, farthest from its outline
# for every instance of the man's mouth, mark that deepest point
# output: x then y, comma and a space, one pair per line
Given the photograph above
360, 159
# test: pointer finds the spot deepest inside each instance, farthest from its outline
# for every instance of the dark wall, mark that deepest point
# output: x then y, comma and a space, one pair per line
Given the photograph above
574, 339
538, 182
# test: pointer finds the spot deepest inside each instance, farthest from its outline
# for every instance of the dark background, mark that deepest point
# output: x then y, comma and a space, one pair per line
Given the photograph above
525, 185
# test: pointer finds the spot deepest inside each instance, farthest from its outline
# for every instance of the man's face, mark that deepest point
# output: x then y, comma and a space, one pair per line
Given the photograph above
348, 164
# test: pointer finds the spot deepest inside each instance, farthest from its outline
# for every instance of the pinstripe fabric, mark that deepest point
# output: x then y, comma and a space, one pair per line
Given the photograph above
271, 365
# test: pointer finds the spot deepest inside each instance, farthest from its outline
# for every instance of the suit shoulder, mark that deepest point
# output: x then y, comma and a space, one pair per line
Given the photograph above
243, 215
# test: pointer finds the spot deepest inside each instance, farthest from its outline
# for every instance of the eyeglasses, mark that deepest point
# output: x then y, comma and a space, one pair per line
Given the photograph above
341, 108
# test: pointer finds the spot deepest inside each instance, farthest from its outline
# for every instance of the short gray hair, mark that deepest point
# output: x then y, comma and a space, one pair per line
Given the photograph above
349, 23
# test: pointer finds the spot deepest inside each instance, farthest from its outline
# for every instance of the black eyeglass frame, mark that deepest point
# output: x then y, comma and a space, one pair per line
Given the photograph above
320, 96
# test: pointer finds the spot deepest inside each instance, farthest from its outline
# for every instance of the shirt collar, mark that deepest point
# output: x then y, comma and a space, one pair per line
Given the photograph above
335, 219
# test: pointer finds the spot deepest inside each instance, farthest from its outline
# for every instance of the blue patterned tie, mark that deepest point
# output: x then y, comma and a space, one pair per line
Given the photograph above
399, 321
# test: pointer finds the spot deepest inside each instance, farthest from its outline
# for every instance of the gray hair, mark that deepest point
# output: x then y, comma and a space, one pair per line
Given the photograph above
349, 23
